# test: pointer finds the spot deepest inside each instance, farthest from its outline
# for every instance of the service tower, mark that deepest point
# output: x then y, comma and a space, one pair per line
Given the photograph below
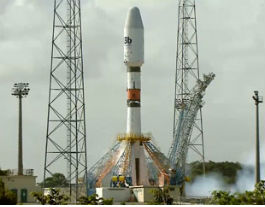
134, 59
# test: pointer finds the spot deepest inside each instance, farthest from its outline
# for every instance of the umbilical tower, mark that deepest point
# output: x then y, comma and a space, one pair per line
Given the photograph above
187, 122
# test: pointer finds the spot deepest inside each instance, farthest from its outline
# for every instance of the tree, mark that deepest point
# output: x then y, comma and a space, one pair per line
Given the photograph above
4, 172
226, 169
94, 200
53, 198
6, 197
256, 197
161, 196
57, 180
223, 198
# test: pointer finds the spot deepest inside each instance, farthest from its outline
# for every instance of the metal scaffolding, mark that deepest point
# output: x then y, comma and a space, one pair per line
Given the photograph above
188, 113
116, 162
187, 75
66, 127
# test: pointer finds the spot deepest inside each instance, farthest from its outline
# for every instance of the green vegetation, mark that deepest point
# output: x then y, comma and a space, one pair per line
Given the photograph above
256, 197
57, 180
226, 169
53, 198
94, 200
6, 197
4, 172
161, 196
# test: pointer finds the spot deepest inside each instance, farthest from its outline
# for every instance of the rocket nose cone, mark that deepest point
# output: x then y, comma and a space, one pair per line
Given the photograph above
134, 19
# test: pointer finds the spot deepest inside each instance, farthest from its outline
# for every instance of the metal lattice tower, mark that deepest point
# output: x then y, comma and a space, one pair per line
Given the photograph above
66, 127
187, 74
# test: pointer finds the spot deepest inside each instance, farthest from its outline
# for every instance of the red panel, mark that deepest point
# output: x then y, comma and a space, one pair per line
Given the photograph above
134, 94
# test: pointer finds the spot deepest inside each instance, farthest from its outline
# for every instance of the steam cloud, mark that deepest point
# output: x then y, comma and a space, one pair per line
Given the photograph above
204, 185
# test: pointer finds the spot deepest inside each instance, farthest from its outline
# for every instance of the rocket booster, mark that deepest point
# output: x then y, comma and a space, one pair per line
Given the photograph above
133, 59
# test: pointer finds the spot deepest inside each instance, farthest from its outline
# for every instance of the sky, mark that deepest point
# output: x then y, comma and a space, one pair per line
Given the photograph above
231, 36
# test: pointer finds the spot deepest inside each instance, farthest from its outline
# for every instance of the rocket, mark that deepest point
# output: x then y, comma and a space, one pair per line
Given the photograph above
134, 59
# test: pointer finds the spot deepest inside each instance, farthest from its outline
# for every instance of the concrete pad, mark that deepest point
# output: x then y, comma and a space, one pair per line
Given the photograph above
144, 193
118, 194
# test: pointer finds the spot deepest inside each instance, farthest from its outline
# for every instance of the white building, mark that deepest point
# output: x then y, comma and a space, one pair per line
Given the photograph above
21, 185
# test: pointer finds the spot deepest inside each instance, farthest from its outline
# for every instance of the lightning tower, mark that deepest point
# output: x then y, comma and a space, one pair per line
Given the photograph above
66, 127
187, 75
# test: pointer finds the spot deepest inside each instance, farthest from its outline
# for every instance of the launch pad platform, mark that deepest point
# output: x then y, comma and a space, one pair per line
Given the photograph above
140, 194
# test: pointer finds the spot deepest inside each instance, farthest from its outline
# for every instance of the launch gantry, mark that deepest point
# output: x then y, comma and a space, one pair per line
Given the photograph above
188, 112
187, 75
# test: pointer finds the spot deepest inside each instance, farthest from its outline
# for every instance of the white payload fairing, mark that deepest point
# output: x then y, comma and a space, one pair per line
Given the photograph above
134, 59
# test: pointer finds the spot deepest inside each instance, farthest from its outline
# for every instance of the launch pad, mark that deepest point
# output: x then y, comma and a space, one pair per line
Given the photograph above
115, 168
133, 160
135, 166
140, 194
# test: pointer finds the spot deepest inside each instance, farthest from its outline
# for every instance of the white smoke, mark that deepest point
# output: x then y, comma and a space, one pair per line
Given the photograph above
246, 176
245, 180
205, 185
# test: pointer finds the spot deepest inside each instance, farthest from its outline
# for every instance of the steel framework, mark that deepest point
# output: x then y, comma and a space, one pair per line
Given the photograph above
187, 74
117, 162
66, 127
188, 114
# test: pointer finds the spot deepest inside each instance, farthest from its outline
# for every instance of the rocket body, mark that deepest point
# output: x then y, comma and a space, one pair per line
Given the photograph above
134, 59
